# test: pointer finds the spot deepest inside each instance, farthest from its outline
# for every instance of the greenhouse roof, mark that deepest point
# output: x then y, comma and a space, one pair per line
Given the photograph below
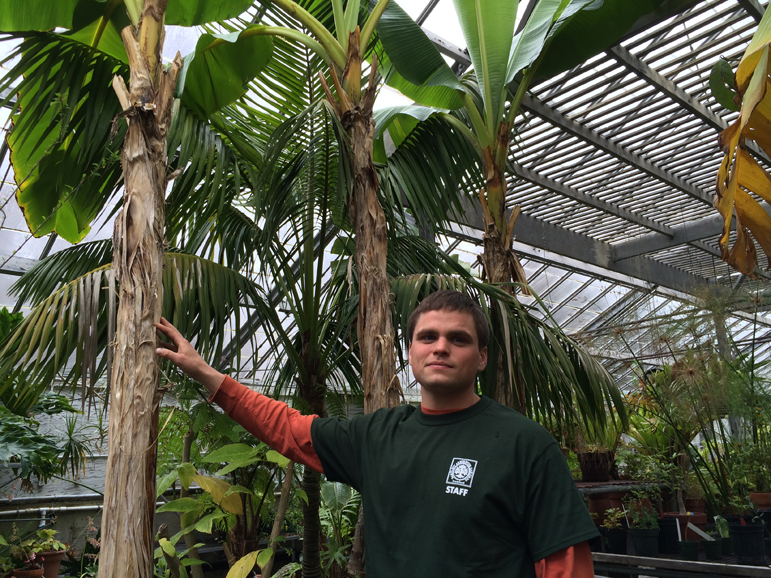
615, 164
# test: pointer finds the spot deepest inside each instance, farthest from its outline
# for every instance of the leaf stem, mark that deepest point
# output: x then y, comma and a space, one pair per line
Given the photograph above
134, 9
372, 20
342, 33
476, 121
460, 127
283, 32
324, 36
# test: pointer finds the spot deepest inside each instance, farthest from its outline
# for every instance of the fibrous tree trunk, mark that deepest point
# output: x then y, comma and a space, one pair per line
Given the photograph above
129, 495
374, 325
501, 265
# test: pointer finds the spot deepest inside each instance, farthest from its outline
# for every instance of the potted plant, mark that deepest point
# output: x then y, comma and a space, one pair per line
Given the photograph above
613, 532
596, 449
747, 533
26, 561
52, 551
713, 549
38, 555
721, 527
644, 525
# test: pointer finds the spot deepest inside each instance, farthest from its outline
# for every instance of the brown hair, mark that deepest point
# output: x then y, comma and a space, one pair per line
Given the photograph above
447, 300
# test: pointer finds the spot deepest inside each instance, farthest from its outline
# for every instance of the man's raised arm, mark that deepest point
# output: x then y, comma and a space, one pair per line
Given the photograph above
284, 429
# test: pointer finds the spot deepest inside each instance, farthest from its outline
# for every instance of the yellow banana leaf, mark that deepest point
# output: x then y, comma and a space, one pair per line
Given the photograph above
739, 173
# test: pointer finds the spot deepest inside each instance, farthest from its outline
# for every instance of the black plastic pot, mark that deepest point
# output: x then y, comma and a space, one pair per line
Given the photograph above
689, 549
748, 544
595, 466
646, 542
668, 536
614, 540
728, 546
767, 542
713, 549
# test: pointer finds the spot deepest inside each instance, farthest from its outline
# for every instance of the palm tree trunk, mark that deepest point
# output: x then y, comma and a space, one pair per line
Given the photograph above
374, 325
500, 265
129, 495
311, 485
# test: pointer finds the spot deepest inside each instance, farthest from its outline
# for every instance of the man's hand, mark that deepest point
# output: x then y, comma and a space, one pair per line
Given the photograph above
184, 356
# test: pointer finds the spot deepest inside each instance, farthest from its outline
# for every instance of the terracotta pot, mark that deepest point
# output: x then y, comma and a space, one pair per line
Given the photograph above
698, 519
600, 503
761, 499
695, 505
28, 573
595, 466
51, 562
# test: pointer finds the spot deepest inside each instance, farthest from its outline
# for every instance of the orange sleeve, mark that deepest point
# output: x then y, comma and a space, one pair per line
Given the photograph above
572, 562
283, 428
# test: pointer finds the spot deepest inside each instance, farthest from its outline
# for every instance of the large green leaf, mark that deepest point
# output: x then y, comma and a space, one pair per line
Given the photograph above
216, 73
400, 122
529, 43
488, 27
24, 15
195, 12
590, 32
64, 163
231, 453
415, 60
97, 23
335, 496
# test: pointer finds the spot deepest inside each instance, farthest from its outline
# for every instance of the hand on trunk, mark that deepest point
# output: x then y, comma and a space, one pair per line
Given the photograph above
184, 356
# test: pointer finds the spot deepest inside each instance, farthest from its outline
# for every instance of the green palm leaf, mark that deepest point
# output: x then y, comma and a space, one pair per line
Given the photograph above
488, 28
74, 322
64, 162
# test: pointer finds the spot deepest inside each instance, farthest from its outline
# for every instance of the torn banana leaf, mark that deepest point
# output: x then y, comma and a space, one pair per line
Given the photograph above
739, 173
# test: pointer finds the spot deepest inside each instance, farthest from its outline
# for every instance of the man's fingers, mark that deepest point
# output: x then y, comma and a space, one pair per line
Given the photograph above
167, 354
169, 331
169, 346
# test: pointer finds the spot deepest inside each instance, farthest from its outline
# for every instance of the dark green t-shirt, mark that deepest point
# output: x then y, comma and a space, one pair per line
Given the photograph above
480, 492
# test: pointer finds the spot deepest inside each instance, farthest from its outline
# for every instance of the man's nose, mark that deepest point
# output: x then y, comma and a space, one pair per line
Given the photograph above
441, 345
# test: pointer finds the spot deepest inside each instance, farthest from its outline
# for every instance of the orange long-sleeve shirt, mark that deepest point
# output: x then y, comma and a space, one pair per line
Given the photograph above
289, 432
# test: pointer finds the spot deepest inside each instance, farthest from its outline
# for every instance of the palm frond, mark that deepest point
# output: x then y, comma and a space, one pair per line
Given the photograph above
65, 163
65, 336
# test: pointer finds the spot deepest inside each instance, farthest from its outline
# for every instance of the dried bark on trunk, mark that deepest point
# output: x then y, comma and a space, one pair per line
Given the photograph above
501, 265
129, 495
374, 324
278, 521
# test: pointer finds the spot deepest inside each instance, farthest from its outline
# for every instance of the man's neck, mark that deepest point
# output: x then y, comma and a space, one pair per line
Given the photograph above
430, 401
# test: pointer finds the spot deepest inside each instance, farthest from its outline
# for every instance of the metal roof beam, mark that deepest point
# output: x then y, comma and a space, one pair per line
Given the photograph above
753, 8
671, 90
681, 235
548, 237
537, 107
590, 200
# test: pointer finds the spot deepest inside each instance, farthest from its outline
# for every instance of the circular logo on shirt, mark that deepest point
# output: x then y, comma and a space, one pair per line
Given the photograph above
462, 471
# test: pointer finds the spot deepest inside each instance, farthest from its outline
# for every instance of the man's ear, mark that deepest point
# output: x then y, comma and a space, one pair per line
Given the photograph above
409, 353
482, 359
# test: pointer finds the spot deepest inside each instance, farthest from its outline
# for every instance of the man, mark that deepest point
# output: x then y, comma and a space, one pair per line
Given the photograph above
461, 486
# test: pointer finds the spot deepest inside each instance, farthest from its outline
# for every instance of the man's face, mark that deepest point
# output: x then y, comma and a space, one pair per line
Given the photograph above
444, 353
